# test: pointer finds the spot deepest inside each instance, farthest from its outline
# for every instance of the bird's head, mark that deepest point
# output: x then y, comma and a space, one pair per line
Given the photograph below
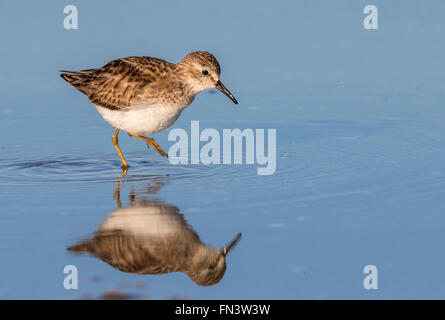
211, 264
202, 72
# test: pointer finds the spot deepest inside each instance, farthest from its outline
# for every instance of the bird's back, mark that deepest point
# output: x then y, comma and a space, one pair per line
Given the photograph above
120, 83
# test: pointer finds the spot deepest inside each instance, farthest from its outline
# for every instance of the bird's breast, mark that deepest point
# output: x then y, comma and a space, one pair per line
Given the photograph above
141, 118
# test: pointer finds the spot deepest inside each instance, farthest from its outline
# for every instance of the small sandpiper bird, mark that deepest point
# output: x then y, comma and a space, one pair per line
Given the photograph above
144, 95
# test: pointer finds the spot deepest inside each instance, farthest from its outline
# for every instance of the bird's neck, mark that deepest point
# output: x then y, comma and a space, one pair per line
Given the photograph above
185, 74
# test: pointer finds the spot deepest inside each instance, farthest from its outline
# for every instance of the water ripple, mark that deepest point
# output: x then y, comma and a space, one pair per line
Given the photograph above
72, 169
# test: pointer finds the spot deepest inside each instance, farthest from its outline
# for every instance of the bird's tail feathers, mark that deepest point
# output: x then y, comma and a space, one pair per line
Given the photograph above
80, 247
78, 79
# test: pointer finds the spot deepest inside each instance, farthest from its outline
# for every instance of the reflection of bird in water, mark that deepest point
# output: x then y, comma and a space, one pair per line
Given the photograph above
152, 237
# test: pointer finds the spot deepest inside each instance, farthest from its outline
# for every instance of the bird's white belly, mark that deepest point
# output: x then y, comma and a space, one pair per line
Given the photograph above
141, 120
154, 221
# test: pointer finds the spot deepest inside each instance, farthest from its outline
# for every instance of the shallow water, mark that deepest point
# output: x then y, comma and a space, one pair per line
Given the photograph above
360, 175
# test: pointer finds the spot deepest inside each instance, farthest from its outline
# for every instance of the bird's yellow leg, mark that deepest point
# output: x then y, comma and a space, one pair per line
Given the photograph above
151, 142
117, 195
119, 152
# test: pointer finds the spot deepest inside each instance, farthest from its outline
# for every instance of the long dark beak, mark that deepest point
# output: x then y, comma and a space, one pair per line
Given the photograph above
224, 90
231, 245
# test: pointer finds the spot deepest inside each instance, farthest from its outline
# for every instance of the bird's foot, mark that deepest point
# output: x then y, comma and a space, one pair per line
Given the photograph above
155, 145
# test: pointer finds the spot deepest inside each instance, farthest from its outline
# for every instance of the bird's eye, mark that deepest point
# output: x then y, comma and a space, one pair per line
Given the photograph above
211, 267
205, 72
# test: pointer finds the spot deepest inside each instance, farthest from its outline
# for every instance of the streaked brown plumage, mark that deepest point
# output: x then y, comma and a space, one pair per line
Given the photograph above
121, 83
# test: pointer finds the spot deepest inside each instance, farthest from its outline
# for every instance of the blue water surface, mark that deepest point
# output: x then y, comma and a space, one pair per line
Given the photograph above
360, 176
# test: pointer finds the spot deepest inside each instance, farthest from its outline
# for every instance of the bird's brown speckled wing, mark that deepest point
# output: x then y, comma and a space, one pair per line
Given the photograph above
118, 84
